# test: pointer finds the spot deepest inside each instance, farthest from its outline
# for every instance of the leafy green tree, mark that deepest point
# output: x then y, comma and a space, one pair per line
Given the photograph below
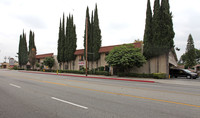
182, 59
125, 57
32, 57
190, 53
148, 32
37, 65
49, 61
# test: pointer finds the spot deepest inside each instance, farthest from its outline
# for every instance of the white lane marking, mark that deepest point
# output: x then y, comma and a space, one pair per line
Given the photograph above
15, 85
69, 103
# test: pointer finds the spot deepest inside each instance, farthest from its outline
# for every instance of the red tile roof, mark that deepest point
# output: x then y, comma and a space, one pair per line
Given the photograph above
79, 52
106, 48
41, 56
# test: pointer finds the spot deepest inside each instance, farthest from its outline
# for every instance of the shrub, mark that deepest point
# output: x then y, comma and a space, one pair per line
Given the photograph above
102, 73
143, 75
83, 72
159, 75
101, 68
15, 68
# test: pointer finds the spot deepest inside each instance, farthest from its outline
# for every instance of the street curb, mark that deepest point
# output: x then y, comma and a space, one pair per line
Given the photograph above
147, 81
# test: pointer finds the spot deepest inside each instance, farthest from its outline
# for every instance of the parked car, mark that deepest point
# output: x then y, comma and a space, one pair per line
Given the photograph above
182, 73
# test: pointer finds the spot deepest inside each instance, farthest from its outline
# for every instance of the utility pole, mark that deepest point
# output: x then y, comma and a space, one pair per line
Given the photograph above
86, 41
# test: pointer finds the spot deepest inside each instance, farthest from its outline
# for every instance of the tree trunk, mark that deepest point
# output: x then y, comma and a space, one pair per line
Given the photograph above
63, 65
92, 66
149, 64
158, 64
73, 64
70, 65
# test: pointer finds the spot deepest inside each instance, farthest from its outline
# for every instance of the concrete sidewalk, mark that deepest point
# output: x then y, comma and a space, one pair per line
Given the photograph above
92, 76
191, 82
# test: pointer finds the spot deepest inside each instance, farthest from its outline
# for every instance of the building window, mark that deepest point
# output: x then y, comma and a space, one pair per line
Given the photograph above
81, 58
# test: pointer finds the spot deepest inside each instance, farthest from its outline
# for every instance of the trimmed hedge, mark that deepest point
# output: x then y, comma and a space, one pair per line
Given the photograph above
143, 75
82, 72
159, 75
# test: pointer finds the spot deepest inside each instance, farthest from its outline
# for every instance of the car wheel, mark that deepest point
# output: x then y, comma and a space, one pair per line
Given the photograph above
188, 77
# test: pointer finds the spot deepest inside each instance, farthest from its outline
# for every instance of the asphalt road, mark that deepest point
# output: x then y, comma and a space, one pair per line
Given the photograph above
26, 95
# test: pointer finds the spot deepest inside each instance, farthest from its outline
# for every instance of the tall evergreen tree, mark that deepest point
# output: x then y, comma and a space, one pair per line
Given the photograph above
148, 35
32, 49
190, 53
88, 29
20, 51
24, 52
31, 41
167, 32
91, 39
70, 42
74, 39
59, 45
156, 21
67, 42
32, 57
96, 35
62, 57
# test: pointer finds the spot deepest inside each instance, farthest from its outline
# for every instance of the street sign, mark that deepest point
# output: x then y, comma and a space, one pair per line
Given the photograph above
11, 61
81, 63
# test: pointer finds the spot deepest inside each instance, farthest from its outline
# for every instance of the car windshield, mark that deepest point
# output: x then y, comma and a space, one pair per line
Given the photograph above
187, 71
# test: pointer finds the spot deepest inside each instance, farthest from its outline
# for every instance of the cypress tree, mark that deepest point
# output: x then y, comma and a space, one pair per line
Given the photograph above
91, 39
32, 57
88, 28
32, 49
24, 53
67, 45
96, 35
156, 21
70, 40
59, 45
31, 41
74, 39
167, 32
190, 53
148, 32
62, 57
20, 51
